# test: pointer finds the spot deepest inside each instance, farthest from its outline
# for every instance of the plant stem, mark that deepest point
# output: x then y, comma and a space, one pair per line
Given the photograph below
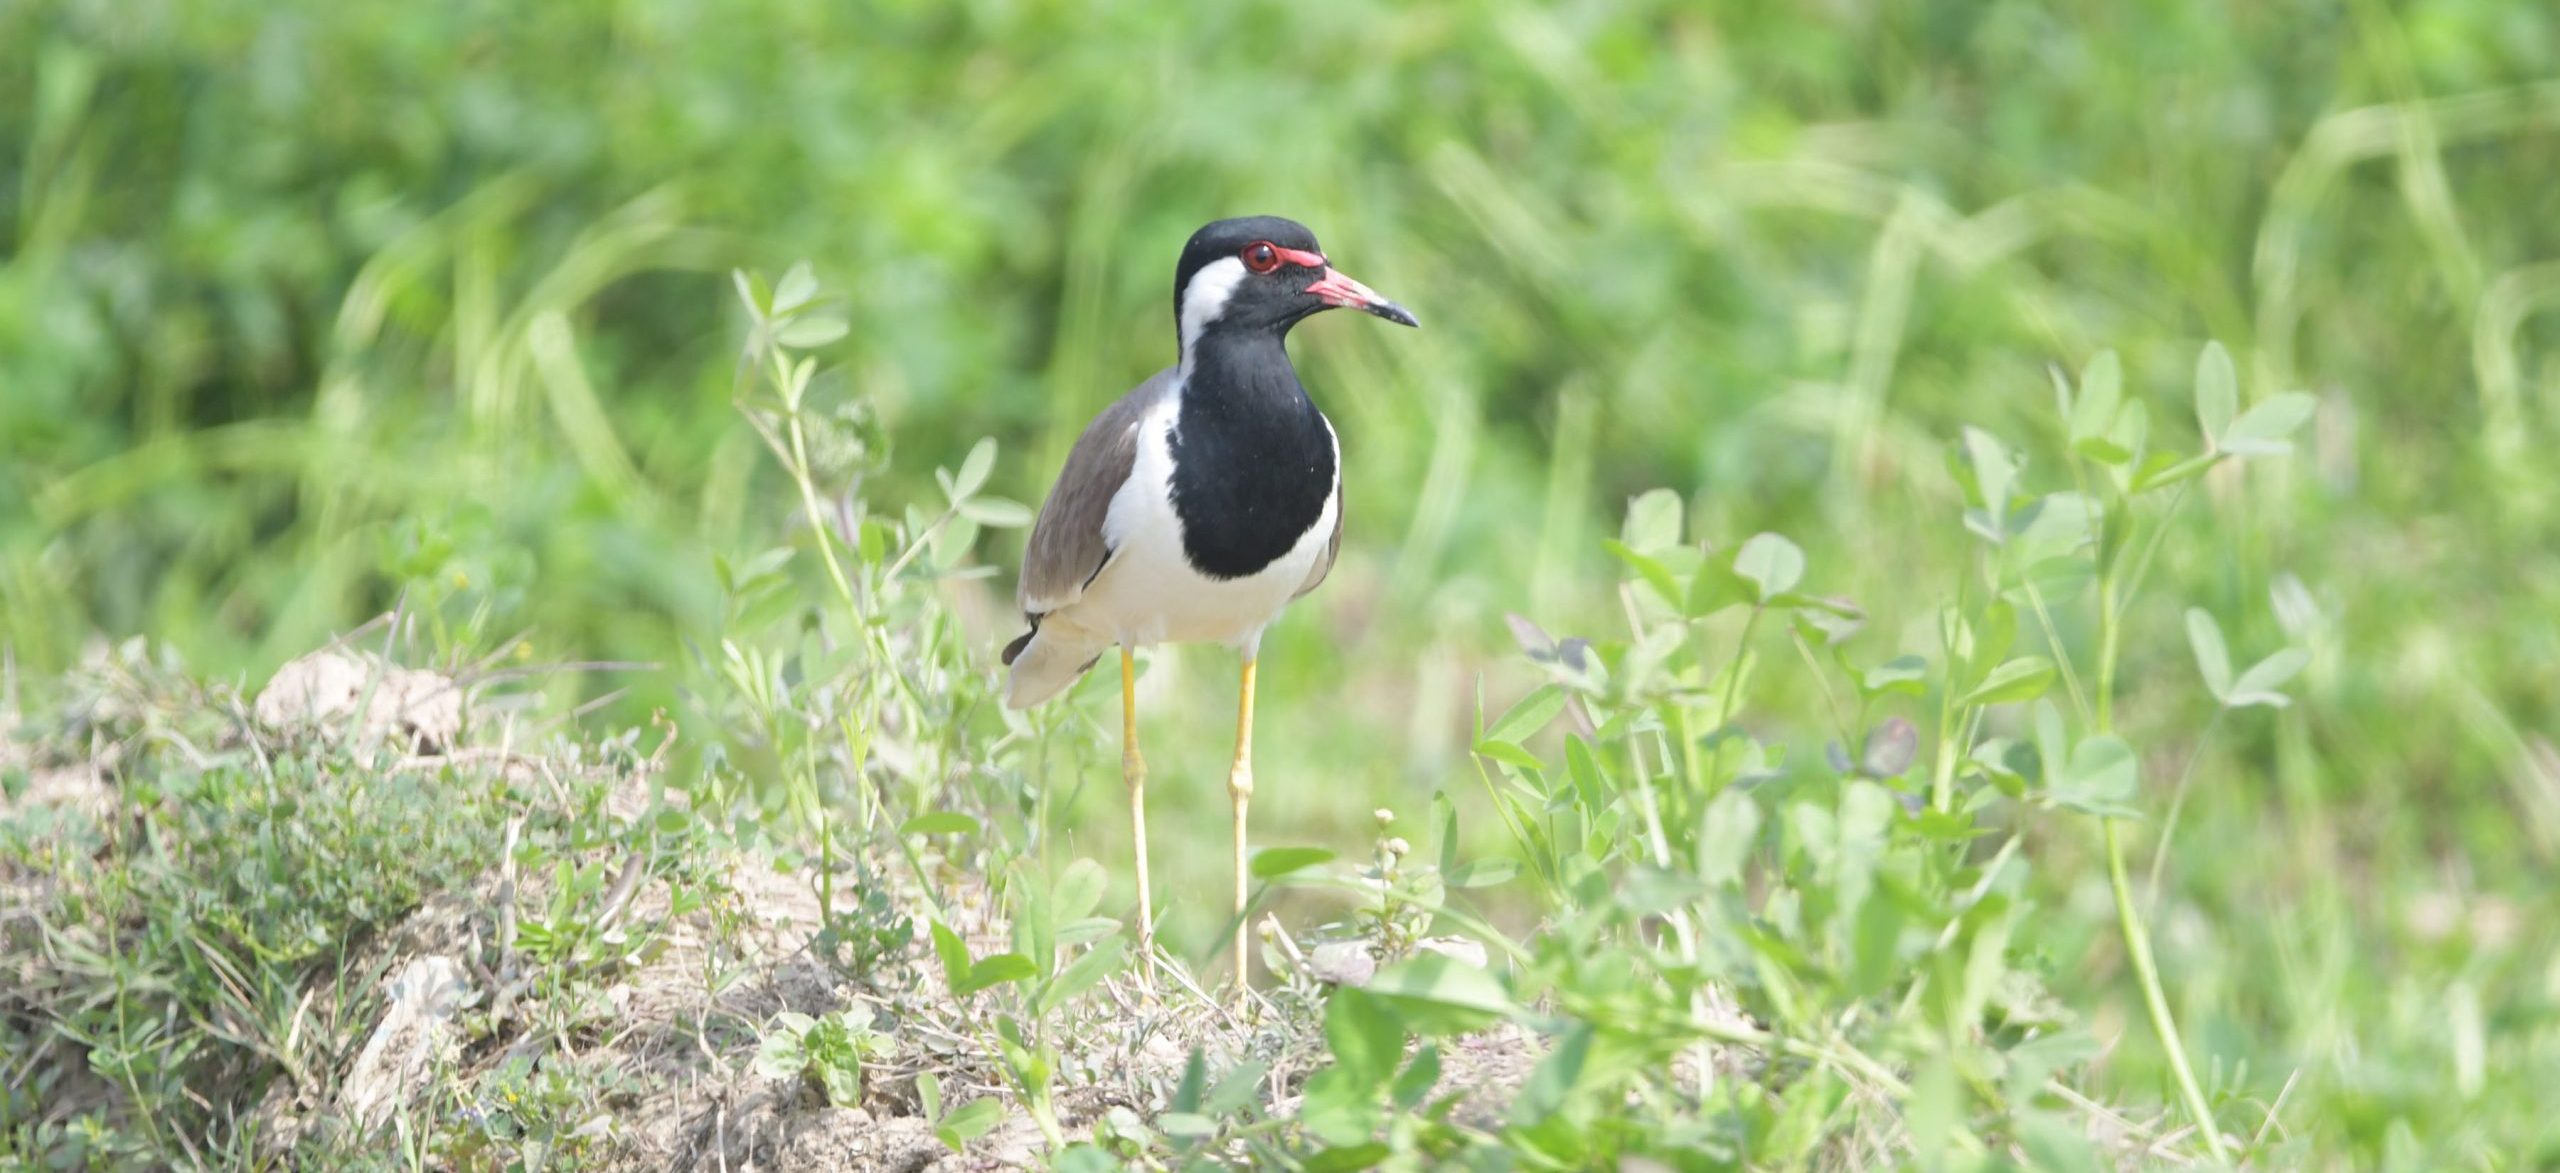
2137, 945
1690, 761
2112, 592
1741, 653
1661, 843
1947, 935
1047, 1118
1942, 778
2108, 631
913, 547
1845, 1058
2061, 654
818, 519
1830, 699
2177, 803
2151, 547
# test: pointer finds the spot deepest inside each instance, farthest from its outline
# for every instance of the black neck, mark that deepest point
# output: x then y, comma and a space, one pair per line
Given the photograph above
1249, 370
1253, 458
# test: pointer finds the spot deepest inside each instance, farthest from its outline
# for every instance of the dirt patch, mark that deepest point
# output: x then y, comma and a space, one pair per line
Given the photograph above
792, 1138
77, 786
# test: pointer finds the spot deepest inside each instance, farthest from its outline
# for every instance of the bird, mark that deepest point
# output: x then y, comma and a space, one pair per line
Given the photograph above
1198, 506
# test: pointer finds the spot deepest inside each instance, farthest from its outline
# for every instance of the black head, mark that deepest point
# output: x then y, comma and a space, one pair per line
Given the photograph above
1262, 274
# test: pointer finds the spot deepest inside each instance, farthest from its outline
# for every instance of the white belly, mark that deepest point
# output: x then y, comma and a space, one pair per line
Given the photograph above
1149, 593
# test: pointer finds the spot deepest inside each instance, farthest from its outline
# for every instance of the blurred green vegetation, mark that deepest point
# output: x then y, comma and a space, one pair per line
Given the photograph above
307, 306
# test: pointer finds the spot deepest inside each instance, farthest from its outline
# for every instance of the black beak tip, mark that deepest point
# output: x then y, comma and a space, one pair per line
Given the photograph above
1394, 313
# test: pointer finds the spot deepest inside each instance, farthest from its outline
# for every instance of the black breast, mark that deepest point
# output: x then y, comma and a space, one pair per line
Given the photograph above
1253, 462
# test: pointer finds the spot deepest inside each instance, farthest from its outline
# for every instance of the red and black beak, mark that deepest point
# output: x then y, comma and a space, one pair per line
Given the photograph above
1335, 288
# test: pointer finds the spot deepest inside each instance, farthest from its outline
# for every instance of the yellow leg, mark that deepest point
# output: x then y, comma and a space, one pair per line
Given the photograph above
1240, 788
1133, 770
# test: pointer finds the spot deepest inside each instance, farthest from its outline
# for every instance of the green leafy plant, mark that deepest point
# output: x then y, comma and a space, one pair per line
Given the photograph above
965, 1123
1840, 928
820, 706
827, 1052
556, 1113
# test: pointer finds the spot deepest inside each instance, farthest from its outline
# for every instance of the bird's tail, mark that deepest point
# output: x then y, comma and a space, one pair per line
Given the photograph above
1042, 664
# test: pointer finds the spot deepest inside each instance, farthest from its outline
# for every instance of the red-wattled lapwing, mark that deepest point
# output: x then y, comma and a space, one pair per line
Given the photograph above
1199, 505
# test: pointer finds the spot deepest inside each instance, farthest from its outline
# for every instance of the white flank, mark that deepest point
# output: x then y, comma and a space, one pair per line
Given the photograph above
1144, 502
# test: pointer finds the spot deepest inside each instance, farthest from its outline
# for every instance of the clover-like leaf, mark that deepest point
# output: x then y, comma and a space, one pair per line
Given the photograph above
973, 470
2258, 685
1770, 563
1906, 674
1530, 715
953, 953
2101, 777
968, 1122
995, 971
798, 285
2021, 679
1714, 588
2217, 392
2213, 658
2093, 412
752, 291
1988, 471
1653, 522
1829, 620
939, 823
808, 331
1271, 862
1367, 1041
1437, 994
1726, 837
996, 512
1648, 568
1082, 974
2010, 765
2267, 427
2124, 440
2162, 470
1079, 890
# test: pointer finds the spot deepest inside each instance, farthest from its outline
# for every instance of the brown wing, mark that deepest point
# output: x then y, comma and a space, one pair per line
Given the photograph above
1067, 548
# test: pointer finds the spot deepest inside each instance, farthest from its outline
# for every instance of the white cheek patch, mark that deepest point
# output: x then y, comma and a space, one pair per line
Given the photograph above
1206, 298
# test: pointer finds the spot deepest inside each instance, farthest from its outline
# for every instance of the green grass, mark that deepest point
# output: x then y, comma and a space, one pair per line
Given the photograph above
308, 313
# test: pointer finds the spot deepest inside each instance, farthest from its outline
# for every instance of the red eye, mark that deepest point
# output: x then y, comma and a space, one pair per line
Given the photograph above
1261, 257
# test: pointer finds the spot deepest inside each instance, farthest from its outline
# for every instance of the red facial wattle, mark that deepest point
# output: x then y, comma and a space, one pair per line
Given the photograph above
1331, 287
